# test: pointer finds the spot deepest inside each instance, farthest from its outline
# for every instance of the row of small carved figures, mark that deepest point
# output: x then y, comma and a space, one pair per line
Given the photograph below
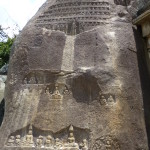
64, 27
87, 8
58, 23
65, 30
84, 20
92, 4
66, 91
78, 14
47, 142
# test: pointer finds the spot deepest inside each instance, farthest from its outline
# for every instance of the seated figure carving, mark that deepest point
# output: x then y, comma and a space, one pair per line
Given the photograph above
58, 143
32, 80
29, 138
39, 141
56, 95
110, 99
71, 140
49, 141
11, 141
18, 140
84, 145
103, 100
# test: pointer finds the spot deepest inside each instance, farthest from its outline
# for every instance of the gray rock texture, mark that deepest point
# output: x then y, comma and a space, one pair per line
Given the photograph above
73, 81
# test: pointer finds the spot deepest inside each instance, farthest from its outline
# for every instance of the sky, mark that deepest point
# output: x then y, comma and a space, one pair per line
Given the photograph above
18, 12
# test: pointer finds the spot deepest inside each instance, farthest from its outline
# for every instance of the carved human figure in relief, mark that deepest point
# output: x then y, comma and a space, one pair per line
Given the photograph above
25, 80
47, 90
39, 141
66, 91
49, 141
71, 139
56, 95
32, 80
11, 141
84, 145
108, 145
103, 100
29, 137
58, 143
110, 99
18, 140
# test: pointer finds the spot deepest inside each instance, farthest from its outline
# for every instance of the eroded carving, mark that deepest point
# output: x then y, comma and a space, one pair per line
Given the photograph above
107, 99
18, 140
49, 141
106, 142
11, 141
39, 141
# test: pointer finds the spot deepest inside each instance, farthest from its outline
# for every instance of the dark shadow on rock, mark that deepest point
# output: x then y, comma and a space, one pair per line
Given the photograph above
145, 78
2, 110
85, 88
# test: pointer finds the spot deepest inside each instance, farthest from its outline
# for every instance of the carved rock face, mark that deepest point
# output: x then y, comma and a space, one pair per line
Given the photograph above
73, 77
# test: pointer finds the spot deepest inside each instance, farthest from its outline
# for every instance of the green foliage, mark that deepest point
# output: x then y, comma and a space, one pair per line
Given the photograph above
5, 48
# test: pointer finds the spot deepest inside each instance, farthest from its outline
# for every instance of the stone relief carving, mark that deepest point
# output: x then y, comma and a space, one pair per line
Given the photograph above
48, 142
106, 99
106, 143
74, 17
56, 94
11, 141
57, 91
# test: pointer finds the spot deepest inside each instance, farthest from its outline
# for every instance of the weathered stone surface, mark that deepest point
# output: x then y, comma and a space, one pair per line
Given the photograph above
73, 80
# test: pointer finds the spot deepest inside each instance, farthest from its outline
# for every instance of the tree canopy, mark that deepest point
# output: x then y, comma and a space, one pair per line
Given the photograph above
5, 46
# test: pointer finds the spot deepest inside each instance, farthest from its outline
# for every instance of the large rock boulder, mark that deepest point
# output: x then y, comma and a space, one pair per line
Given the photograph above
73, 80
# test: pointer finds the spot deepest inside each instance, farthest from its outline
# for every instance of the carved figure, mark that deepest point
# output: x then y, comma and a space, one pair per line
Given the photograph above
29, 137
32, 80
56, 95
48, 142
103, 100
25, 80
11, 141
84, 145
47, 90
66, 91
111, 99
18, 140
106, 143
71, 139
58, 143
39, 141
